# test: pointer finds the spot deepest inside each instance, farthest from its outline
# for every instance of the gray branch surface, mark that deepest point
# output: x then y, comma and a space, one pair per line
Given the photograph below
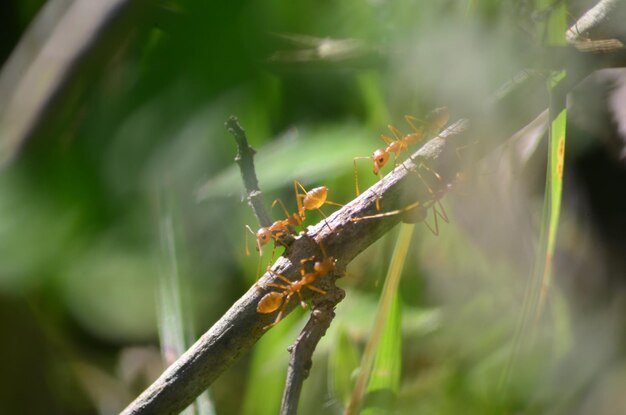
242, 326
593, 19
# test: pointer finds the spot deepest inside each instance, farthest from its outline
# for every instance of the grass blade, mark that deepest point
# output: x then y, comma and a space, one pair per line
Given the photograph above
385, 308
342, 362
173, 331
553, 31
384, 383
266, 379
552, 207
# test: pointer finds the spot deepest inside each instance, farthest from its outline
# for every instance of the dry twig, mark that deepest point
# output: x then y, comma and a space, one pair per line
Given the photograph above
245, 160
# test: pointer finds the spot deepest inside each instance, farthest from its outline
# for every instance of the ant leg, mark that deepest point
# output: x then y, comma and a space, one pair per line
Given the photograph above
282, 277
411, 120
276, 285
434, 231
391, 213
431, 192
380, 179
425, 130
441, 212
401, 164
258, 248
437, 119
356, 182
281, 313
245, 238
258, 267
282, 287
282, 205
419, 175
422, 165
271, 257
458, 149
330, 202
276, 241
299, 196
297, 183
397, 134
388, 140
325, 217
317, 290
321, 245
247, 228
304, 261
302, 303
356, 175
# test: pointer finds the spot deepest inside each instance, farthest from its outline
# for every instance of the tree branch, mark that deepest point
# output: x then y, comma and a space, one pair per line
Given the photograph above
241, 326
245, 160
592, 20
302, 350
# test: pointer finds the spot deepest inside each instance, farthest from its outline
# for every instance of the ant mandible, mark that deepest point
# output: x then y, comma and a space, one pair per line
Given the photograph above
274, 300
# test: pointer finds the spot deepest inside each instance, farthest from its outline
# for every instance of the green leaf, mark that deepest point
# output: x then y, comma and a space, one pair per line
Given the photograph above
326, 151
174, 327
384, 325
552, 203
384, 383
554, 27
541, 277
343, 361
266, 378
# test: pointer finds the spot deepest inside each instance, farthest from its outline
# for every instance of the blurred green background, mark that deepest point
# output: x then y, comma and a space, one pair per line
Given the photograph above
122, 221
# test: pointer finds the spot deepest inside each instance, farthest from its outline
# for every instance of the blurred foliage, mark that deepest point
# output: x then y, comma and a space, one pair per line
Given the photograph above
140, 140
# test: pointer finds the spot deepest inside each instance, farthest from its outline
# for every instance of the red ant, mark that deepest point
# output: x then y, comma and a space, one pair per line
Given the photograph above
431, 125
313, 199
274, 300
275, 232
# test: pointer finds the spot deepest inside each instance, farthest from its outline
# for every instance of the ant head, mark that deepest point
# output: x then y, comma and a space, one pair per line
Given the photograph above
380, 158
263, 236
